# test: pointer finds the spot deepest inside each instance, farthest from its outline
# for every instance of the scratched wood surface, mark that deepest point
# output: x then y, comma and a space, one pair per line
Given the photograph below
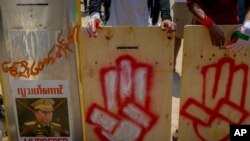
214, 87
108, 56
35, 25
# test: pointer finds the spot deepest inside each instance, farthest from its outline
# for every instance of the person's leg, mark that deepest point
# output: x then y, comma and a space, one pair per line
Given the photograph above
175, 135
177, 46
85, 3
181, 16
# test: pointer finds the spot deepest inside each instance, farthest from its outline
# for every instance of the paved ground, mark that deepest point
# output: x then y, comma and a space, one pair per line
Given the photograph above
175, 98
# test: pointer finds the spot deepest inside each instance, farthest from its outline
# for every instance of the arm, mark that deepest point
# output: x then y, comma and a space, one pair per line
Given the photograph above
165, 10
95, 6
240, 38
167, 24
197, 11
95, 18
216, 35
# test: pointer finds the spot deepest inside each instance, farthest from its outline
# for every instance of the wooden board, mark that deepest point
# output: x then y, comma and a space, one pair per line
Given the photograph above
127, 74
214, 87
30, 32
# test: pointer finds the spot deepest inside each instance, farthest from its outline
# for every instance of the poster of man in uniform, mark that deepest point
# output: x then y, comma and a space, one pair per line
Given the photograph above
42, 110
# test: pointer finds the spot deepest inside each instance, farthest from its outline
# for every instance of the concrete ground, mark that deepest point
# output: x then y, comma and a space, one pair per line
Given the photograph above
176, 87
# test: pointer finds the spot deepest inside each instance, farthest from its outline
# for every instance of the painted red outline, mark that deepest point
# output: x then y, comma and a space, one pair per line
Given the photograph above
233, 68
144, 106
95, 106
136, 65
98, 132
102, 76
214, 113
151, 115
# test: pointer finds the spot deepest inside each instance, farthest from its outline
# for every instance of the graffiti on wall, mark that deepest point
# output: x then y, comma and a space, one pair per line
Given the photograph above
126, 114
221, 101
25, 68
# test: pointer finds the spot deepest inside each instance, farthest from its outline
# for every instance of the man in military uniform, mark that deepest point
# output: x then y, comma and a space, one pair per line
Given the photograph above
43, 127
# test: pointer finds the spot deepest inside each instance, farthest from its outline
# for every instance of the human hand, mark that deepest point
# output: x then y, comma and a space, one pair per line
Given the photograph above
168, 26
93, 24
240, 38
216, 35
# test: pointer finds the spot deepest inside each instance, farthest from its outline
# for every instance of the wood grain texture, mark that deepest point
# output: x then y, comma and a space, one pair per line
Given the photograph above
148, 45
214, 87
34, 18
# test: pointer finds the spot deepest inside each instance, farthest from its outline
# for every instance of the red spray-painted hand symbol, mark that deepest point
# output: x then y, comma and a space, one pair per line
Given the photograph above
126, 114
222, 102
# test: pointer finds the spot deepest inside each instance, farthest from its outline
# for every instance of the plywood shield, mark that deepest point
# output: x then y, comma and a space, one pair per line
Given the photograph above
127, 74
39, 69
214, 87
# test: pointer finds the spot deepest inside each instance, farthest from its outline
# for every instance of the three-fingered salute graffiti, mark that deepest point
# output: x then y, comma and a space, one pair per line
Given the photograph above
221, 101
126, 93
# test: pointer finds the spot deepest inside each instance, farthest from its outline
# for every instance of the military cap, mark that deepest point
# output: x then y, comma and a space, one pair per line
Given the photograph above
43, 104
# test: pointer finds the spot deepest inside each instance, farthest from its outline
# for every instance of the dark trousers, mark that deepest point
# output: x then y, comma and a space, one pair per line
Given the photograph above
85, 4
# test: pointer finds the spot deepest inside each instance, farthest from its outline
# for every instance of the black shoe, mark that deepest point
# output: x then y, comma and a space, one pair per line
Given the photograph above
175, 135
